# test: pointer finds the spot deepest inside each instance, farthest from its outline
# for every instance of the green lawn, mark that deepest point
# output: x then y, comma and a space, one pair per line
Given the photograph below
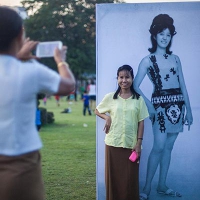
69, 153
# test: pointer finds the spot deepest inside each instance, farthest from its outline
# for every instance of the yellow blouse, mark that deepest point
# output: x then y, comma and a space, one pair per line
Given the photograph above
125, 115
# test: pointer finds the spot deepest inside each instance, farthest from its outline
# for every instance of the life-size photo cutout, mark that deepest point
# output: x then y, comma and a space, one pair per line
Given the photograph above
123, 37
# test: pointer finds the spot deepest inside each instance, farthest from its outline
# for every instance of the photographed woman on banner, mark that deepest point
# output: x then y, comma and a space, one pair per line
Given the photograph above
168, 102
124, 112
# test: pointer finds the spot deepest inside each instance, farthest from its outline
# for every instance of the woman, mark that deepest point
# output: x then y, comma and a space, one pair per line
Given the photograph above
20, 163
124, 133
168, 101
91, 89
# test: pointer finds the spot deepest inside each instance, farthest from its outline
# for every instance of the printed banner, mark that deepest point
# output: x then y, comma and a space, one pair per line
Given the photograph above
123, 37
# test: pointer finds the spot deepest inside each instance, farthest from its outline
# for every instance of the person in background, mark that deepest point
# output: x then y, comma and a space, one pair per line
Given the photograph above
86, 103
168, 101
81, 90
75, 92
124, 126
57, 98
38, 119
20, 144
45, 100
91, 89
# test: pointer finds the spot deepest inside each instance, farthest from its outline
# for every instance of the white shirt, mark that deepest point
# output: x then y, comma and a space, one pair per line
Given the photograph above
92, 90
20, 82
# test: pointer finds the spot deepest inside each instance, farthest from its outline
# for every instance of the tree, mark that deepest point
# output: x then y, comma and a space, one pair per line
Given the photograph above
72, 22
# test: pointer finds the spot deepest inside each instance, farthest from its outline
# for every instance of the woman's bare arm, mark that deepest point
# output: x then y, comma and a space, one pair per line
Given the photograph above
188, 117
67, 83
140, 133
106, 118
142, 71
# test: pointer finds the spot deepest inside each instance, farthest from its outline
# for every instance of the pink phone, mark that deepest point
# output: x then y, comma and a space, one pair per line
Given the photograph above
133, 157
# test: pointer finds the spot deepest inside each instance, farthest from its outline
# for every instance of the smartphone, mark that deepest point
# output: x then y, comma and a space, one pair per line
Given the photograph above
46, 49
133, 157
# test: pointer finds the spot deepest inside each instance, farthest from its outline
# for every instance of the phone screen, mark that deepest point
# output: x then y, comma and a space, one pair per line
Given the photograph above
46, 49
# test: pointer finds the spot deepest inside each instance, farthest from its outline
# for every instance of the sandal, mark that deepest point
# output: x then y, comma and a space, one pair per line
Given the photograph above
170, 192
143, 196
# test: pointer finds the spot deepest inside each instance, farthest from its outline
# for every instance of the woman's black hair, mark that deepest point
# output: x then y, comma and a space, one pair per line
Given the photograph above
92, 82
127, 68
10, 26
160, 23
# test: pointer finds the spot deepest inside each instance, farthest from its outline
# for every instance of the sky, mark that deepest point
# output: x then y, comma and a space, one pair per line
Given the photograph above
17, 2
10, 2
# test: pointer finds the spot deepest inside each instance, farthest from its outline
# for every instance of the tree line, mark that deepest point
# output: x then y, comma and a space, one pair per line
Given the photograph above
71, 21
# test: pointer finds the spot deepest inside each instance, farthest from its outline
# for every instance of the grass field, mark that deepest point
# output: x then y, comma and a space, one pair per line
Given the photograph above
69, 153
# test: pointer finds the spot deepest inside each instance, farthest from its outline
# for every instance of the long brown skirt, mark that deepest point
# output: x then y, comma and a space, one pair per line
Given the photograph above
21, 178
121, 175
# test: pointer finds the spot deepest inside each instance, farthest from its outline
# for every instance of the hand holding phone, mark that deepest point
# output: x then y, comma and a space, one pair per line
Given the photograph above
133, 157
47, 49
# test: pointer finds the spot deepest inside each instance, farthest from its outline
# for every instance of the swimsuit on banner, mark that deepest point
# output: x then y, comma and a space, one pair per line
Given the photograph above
167, 97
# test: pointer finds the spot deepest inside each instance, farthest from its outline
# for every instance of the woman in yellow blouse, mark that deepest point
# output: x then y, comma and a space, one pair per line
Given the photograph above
124, 112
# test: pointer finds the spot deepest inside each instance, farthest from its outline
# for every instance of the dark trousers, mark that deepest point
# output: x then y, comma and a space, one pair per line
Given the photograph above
86, 107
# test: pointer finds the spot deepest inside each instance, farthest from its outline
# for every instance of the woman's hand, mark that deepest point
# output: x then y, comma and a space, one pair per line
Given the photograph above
188, 119
137, 149
25, 53
60, 54
107, 124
